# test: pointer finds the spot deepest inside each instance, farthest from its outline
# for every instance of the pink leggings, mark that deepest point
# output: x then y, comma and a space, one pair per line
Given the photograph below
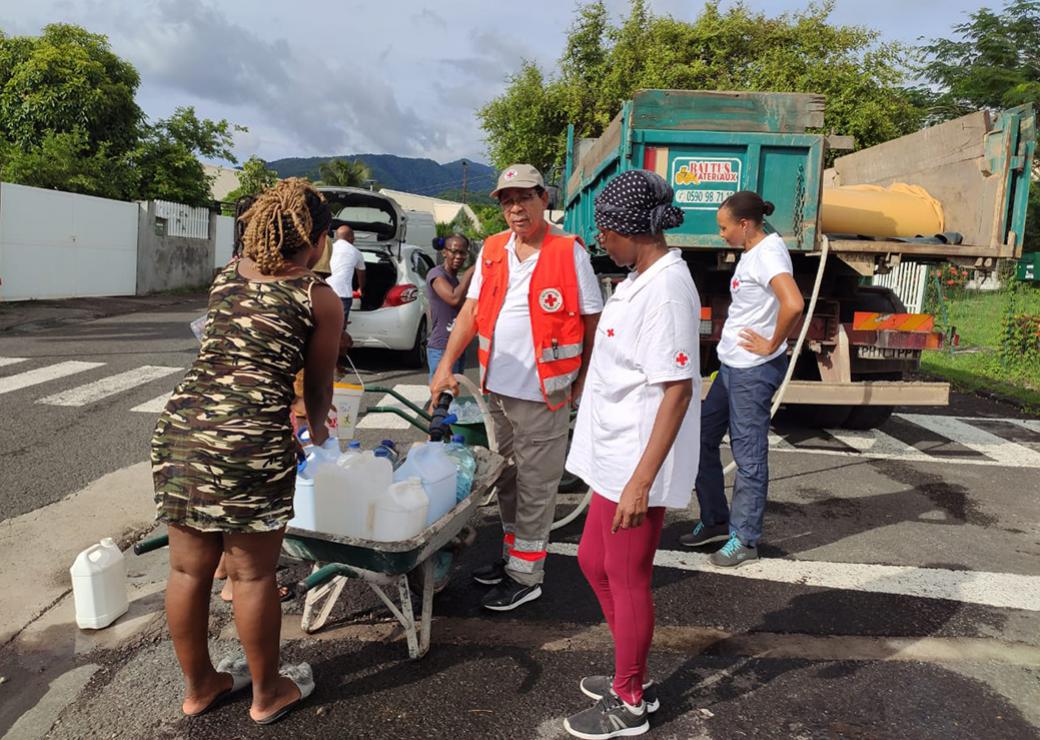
619, 567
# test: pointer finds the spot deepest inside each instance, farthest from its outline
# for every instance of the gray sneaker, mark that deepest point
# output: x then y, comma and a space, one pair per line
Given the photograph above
596, 687
704, 535
609, 718
733, 553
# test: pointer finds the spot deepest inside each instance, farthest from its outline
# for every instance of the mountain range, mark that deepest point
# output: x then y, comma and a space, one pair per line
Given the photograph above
420, 176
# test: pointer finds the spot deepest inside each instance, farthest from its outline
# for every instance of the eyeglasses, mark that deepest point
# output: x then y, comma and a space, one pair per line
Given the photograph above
510, 201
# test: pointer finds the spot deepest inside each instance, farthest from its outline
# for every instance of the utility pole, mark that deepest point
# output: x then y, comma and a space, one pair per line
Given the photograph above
465, 172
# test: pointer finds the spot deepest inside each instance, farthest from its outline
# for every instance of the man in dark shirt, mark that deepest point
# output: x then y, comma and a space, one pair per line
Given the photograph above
447, 292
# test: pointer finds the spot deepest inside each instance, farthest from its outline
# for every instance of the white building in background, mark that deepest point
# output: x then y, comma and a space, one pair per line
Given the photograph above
443, 211
225, 180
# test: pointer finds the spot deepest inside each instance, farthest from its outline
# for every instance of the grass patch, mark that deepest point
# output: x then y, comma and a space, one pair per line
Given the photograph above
977, 364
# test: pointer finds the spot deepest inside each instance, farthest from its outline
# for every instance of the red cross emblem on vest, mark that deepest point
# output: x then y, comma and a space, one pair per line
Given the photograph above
610, 332
735, 284
681, 359
551, 300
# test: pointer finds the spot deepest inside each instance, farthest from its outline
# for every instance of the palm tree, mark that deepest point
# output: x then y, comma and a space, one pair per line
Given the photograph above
344, 172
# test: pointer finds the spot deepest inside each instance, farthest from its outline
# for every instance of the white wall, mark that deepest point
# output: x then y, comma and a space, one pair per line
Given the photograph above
60, 245
225, 241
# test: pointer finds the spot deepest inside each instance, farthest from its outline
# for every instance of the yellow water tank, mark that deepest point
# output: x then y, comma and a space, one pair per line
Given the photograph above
899, 210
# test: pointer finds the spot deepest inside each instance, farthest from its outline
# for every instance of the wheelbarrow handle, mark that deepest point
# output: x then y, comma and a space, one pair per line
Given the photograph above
323, 575
155, 543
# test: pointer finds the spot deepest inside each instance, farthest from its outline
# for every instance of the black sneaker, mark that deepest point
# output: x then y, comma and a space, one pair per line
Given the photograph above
509, 595
704, 535
596, 687
609, 718
491, 575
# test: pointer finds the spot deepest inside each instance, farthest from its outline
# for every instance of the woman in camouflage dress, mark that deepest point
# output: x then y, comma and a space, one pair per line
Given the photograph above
223, 453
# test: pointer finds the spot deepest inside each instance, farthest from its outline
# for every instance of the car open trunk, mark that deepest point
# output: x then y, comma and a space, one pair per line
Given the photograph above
380, 277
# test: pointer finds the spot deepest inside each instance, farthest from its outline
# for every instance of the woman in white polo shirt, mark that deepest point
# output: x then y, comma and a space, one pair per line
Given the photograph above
636, 407
764, 308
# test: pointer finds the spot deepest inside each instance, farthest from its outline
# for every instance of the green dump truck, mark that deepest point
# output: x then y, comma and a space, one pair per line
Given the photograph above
862, 344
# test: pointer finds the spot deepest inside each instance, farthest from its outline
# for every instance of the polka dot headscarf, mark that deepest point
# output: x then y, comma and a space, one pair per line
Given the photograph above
637, 202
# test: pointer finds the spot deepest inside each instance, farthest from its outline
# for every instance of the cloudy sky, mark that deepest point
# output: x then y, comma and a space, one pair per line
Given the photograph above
322, 77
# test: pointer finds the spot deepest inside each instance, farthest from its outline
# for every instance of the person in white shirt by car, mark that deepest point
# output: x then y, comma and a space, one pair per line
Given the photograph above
532, 304
764, 309
635, 439
346, 262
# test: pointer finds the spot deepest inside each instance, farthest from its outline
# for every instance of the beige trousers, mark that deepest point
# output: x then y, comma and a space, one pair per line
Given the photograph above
534, 440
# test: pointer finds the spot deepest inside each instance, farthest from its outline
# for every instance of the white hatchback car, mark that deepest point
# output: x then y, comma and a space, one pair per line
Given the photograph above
392, 312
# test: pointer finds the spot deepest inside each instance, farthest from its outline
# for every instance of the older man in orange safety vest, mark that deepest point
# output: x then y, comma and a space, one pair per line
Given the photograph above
533, 305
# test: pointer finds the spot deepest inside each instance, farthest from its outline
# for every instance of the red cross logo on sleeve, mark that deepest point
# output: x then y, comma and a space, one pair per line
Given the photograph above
610, 332
735, 284
681, 359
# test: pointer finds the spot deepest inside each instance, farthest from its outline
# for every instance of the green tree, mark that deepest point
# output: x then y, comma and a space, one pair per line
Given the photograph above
991, 61
67, 79
66, 161
253, 178
68, 121
167, 156
602, 65
345, 173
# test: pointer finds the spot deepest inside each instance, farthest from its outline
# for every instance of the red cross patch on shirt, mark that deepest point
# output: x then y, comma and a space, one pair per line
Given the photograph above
610, 332
735, 284
681, 359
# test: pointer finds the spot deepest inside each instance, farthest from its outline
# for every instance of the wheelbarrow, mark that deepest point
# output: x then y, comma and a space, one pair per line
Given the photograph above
421, 565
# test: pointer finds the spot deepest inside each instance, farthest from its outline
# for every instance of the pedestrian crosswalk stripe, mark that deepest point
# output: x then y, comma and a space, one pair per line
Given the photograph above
417, 394
5, 361
1003, 590
155, 406
109, 386
978, 439
45, 374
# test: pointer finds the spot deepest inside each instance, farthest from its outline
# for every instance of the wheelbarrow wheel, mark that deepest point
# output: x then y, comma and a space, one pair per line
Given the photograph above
443, 563
443, 566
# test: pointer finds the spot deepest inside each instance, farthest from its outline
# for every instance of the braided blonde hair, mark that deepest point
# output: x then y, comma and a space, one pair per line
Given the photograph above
287, 217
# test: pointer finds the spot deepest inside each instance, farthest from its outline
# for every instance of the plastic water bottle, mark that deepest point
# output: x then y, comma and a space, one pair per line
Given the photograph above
391, 451
99, 585
466, 464
429, 462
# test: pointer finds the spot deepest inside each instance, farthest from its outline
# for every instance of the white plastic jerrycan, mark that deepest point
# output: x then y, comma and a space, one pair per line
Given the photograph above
429, 462
400, 513
303, 497
99, 585
346, 499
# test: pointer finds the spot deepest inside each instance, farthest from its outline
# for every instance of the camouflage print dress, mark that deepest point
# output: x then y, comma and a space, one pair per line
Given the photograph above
223, 455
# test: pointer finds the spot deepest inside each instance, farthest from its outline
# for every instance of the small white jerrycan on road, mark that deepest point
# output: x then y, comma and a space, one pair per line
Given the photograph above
99, 585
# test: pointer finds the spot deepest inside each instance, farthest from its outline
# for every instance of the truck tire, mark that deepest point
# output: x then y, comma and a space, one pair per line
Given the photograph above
867, 417
811, 416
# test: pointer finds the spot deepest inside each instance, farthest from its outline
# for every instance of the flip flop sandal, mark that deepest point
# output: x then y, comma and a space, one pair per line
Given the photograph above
300, 675
240, 679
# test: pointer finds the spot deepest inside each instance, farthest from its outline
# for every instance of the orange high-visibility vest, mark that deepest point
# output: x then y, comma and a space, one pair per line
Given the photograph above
555, 308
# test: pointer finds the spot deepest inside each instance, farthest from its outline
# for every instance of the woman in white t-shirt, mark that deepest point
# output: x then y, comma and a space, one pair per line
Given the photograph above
765, 305
636, 408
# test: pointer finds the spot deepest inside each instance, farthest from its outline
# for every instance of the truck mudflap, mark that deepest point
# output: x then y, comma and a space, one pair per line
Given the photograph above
861, 393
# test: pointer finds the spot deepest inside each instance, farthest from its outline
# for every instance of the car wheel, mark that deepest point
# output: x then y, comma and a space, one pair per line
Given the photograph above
416, 356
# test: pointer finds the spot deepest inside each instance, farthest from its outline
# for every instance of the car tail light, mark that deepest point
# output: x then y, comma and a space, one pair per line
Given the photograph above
400, 295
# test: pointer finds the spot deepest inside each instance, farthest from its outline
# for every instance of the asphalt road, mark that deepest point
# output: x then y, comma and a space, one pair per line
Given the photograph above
898, 593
